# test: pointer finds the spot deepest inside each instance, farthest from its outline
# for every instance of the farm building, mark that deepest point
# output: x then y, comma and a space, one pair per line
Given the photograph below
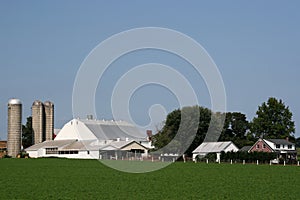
285, 149
94, 139
214, 147
3, 148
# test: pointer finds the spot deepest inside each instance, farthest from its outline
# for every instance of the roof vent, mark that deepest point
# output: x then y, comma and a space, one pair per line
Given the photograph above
89, 117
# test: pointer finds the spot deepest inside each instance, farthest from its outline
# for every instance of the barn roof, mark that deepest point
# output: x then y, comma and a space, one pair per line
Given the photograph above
99, 130
212, 147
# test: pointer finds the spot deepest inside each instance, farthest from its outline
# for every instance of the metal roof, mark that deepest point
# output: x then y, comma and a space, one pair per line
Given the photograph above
212, 147
106, 130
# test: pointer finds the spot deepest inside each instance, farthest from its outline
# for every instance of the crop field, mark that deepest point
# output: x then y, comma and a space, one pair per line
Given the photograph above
89, 179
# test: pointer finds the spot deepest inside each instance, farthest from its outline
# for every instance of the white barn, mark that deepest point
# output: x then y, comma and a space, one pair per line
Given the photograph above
94, 139
214, 147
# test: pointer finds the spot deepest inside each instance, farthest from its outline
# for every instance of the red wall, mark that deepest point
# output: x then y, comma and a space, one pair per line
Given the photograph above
261, 147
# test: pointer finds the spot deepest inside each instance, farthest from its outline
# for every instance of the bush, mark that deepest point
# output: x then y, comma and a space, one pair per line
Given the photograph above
211, 157
248, 157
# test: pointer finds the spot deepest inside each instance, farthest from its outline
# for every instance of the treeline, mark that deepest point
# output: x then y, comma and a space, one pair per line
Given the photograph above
273, 120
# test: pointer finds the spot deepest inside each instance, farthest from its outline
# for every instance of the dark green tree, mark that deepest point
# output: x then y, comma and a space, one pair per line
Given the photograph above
236, 129
298, 142
273, 120
191, 122
27, 133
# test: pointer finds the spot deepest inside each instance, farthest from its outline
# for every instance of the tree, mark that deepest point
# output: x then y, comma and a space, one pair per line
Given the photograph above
236, 128
298, 142
273, 120
191, 122
27, 133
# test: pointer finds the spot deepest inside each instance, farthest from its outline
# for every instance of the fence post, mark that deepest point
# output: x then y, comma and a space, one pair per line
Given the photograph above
257, 162
298, 163
206, 161
243, 162
284, 163
270, 162
219, 161
230, 161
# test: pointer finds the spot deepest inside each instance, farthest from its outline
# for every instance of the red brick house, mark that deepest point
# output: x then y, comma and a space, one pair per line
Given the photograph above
285, 149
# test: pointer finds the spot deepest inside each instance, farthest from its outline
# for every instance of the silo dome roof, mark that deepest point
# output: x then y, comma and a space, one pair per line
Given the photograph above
37, 103
14, 101
48, 103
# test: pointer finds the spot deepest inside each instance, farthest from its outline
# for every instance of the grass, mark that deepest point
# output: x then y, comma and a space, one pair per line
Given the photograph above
89, 179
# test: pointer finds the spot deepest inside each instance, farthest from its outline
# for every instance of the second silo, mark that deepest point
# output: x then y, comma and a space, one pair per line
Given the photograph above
49, 120
14, 127
37, 112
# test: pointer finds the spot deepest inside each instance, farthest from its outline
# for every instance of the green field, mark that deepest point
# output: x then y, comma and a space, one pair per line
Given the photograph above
89, 179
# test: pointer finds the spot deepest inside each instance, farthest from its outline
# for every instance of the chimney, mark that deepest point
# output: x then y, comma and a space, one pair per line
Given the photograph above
149, 134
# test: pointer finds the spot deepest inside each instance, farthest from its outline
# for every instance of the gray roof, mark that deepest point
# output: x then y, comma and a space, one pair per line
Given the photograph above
212, 147
280, 141
107, 130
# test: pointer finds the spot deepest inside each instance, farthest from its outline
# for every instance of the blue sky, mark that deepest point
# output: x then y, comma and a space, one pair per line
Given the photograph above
255, 45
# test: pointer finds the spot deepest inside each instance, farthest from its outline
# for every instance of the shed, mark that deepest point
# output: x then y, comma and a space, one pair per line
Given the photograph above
214, 147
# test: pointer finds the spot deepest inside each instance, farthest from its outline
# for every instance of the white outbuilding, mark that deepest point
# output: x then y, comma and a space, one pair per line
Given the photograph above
214, 147
94, 139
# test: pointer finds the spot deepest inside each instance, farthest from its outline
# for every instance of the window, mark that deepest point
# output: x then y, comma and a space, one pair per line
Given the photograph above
68, 152
289, 146
257, 146
283, 146
277, 146
88, 152
51, 151
264, 146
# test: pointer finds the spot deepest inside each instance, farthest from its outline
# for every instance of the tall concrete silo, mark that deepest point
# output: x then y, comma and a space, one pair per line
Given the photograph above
37, 113
14, 127
49, 120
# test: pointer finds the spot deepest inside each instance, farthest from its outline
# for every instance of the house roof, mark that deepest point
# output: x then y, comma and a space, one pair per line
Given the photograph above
212, 147
3, 144
280, 141
245, 148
